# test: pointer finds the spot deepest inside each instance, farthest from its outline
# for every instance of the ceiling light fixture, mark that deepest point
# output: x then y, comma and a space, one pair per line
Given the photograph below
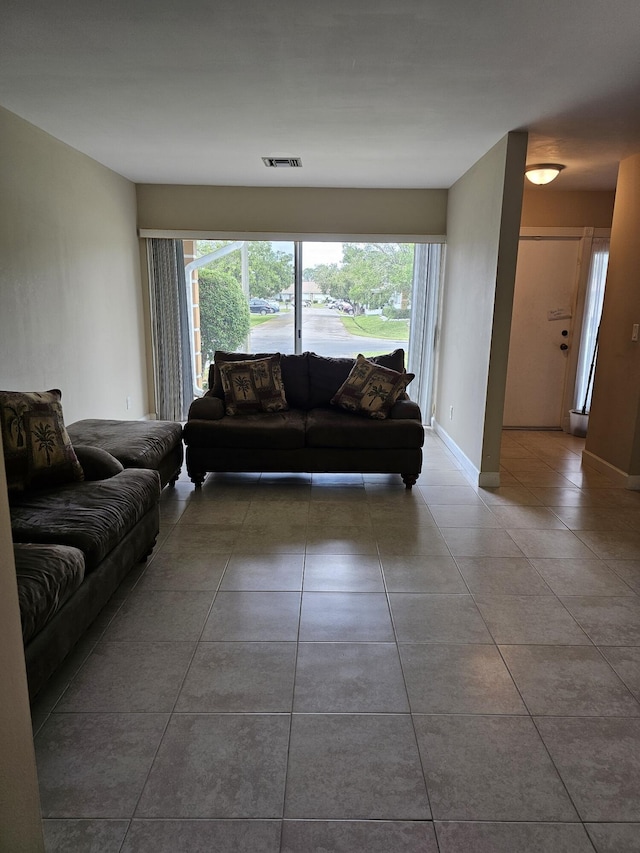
543, 173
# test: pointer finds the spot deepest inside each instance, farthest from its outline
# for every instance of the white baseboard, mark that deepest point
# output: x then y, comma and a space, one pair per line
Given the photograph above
485, 480
621, 478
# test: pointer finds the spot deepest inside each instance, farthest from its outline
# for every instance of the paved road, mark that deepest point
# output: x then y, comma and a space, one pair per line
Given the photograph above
322, 332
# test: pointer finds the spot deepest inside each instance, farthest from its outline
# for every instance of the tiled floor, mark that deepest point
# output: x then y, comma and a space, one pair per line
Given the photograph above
331, 663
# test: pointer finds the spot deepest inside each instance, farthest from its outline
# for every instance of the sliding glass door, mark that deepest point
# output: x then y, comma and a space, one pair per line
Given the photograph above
334, 298
356, 297
242, 298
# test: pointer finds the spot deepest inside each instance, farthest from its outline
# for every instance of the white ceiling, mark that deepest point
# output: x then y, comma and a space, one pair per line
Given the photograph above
369, 93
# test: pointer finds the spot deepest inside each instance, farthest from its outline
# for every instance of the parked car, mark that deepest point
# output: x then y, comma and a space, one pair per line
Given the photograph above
342, 305
262, 306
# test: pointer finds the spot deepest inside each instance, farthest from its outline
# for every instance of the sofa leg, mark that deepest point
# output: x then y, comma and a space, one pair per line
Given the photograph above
174, 479
197, 478
148, 553
409, 479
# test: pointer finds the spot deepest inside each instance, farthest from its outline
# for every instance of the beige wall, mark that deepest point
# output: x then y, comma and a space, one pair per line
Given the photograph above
614, 423
71, 307
542, 206
482, 239
292, 211
71, 317
20, 825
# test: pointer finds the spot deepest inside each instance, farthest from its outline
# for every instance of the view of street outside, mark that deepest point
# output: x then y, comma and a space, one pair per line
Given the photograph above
356, 298
323, 332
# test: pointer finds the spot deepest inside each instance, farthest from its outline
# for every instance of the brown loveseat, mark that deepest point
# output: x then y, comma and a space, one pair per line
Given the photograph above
311, 435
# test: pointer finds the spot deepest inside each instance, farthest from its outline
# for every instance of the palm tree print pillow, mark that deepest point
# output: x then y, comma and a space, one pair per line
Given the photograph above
371, 390
253, 386
37, 448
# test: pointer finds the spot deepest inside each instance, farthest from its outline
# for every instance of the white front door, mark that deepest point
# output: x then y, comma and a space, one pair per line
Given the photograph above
545, 288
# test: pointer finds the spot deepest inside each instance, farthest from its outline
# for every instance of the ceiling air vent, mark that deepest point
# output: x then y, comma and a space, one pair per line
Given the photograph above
282, 162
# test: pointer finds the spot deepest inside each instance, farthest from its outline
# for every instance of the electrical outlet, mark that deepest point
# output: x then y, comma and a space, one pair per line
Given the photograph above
450, 413
634, 332
128, 402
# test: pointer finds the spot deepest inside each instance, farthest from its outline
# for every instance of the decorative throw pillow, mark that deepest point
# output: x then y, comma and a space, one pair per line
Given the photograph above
37, 448
371, 389
222, 357
253, 386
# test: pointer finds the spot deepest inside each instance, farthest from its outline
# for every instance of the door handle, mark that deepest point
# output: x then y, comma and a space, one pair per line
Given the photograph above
564, 347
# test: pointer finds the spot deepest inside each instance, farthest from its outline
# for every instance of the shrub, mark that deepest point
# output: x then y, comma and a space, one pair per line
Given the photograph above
224, 313
392, 313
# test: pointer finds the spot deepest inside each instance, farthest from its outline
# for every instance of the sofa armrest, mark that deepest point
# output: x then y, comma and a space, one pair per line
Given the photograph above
405, 410
206, 409
96, 463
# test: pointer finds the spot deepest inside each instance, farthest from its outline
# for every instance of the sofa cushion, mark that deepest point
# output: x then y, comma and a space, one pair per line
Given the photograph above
294, 370
97, 463
371, 390
295, 375
253, 386
336, 428
206, 408
48, 575
137, 444
268, 431
327, 375
93, 517
37, 449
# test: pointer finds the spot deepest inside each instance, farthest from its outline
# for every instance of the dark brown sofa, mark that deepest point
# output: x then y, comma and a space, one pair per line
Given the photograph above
155, 445
312, 435
73, 545
80, 517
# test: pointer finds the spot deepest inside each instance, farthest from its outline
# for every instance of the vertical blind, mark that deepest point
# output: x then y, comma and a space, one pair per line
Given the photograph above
170, 323
425, 298
591, 323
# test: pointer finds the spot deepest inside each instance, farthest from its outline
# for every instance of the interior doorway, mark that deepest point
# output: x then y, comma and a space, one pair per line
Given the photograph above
541, 365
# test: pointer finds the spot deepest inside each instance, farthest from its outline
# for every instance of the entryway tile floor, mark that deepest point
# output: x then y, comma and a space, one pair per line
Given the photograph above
332, 663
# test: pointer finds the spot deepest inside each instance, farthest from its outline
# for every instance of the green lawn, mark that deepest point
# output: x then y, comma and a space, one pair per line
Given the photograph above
259, 319
375, 326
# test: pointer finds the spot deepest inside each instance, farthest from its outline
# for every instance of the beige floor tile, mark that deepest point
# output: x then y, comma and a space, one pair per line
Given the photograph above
264, 572
608, 620
530, 619
590, 518
598, 759
489, 768
506, 837
397, 638
340, 539
501, 575
532, 517
347, 836
628, 570
450, 495
568, 681
509, 496
612, 545
480, 542
342, 573
550, 543
463, 516
422, 574
458, 679
580, 577
569, 496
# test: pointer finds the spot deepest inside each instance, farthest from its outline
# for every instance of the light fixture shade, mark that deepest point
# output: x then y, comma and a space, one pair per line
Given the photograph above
543, 173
